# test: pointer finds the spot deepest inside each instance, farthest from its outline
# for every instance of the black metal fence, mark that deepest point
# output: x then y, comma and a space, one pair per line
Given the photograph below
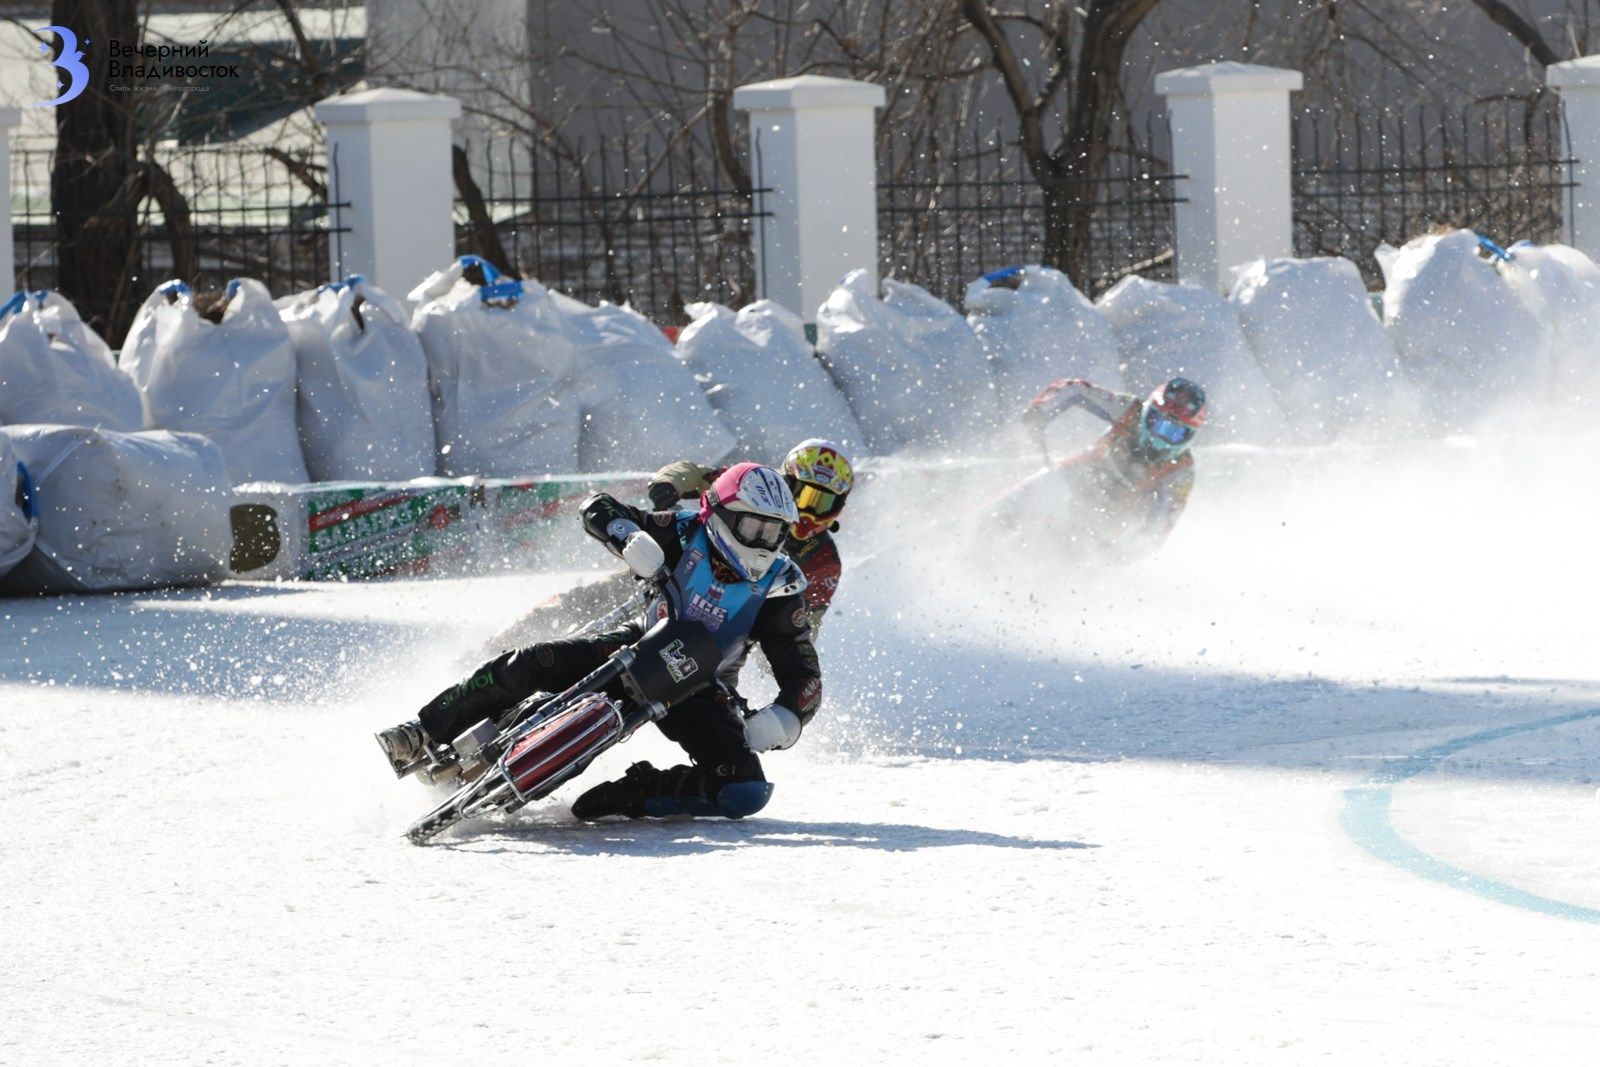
209, 213
1367, 177
945, 219
631, 223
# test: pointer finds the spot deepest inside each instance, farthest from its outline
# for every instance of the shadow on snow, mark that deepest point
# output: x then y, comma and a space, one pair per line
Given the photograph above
681, 837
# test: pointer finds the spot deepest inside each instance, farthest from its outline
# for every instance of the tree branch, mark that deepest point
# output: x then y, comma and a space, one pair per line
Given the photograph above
1524, 31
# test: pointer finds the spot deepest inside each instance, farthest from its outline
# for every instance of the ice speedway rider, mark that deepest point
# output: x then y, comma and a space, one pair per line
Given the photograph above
1127, 489
820, 476
726, 558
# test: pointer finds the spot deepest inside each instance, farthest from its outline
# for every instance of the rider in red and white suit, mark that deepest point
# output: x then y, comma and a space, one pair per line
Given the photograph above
1125, 491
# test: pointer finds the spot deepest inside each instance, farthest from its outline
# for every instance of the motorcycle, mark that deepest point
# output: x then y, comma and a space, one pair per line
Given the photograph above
546, 741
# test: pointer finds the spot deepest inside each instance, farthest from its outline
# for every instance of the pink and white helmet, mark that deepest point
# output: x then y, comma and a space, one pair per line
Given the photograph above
747, 513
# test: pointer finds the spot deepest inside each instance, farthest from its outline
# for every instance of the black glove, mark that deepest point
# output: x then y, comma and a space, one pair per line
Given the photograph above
663, 496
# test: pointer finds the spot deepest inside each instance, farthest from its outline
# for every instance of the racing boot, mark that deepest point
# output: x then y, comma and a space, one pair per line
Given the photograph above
405, 747
625, 796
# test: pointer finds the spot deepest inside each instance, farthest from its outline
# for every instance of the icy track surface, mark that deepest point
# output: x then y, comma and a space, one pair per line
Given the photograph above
1050, 812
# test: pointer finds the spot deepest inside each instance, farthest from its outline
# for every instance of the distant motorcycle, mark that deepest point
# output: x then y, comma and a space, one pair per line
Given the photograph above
546, 741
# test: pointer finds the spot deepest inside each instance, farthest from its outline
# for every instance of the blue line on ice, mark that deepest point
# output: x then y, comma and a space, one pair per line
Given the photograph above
1366, 820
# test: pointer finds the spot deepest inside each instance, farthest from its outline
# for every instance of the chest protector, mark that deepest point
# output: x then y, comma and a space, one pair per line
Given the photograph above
726, 609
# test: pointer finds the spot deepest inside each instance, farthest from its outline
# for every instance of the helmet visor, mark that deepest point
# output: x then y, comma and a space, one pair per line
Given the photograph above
815, 501
1167, 429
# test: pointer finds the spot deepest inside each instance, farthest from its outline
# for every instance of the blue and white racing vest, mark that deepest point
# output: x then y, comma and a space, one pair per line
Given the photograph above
727, 609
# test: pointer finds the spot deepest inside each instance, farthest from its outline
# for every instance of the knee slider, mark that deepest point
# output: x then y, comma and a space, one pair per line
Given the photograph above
704, 796
738, 799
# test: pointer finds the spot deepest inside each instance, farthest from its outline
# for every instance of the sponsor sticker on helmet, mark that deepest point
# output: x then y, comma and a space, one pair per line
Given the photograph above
764, 490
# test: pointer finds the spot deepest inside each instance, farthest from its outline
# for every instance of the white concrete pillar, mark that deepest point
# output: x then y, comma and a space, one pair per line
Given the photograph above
1230, 137
393, 160
1578, 82
10, 118
811, 144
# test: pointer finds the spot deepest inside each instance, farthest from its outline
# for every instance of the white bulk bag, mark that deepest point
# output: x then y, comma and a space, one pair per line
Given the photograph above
762, 376
502, 364
54, 368
231, 380
1326, 355
18, 523
122, 510
640, 403
1458, 326
1165, 330
1036, 328
362, 384
910, 366
1560, 287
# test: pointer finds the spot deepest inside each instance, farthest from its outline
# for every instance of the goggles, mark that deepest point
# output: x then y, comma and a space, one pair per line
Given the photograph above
1167, 429
815, 501
754, 531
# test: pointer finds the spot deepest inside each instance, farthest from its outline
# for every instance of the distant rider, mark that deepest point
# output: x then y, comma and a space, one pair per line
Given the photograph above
1125, 491
726, 558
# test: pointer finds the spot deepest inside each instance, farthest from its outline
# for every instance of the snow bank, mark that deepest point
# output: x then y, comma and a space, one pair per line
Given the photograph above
362, 382
1560, 287
1036, 327
18, 525
762, 376
910, 366
53, 368
1461, 332
1165, 330
640, 403
226, 371
1322, 348
502, 371
120, 511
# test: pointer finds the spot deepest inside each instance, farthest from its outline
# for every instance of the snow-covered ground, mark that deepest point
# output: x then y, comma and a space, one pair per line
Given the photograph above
1161, 814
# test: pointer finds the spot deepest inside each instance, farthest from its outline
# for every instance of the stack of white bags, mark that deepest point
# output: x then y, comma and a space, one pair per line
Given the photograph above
762, 376
528, 381
361, 384
118, 474
91, 501
225, 370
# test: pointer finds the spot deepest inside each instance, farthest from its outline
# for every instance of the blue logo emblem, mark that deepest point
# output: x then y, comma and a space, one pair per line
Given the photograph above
71, 61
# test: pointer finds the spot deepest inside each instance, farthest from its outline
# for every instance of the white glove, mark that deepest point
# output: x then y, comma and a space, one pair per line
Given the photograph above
774, 726
642, 555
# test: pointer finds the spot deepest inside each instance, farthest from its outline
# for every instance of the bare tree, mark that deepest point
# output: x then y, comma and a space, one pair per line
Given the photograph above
94, 168
1065, 113
633, 101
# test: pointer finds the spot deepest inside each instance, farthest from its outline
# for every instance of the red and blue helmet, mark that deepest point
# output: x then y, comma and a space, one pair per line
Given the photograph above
1175, 410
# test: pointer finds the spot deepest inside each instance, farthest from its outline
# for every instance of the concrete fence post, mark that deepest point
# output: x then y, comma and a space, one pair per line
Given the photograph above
811, 145
1578, 82
1230, 137
392, 151
10, 118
